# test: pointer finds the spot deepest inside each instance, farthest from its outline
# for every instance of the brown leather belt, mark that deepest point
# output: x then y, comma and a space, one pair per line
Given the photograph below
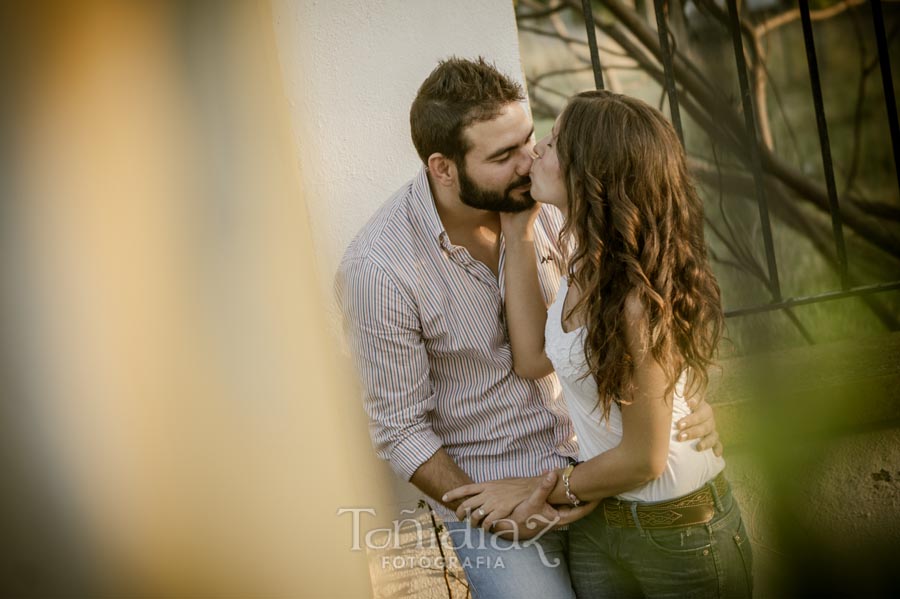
694, 508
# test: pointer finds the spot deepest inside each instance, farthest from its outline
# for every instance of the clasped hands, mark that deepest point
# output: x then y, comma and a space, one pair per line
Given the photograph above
520, 504
514, 505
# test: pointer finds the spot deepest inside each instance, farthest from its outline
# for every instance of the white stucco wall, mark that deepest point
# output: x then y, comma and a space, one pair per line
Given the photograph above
351, 70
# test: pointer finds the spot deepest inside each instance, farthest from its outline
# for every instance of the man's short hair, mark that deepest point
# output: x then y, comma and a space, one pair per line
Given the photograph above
457, 93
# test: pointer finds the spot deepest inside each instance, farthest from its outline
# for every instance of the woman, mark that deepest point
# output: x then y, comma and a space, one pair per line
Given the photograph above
632, 332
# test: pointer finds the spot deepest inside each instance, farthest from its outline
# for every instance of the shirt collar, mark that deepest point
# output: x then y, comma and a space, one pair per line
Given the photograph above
424, 209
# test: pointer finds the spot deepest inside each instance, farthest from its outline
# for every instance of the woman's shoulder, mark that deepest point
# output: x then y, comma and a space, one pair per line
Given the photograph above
635, 324
633, 309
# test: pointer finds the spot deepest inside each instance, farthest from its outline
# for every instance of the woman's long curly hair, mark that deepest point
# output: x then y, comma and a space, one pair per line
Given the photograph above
637, 224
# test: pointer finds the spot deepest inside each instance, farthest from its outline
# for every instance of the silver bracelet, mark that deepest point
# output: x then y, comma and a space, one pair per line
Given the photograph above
573, 499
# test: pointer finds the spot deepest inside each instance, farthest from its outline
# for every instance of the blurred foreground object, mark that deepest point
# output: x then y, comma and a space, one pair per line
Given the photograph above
175, 420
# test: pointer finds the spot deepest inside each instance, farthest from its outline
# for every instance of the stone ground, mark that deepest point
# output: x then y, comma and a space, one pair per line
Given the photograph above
411, 564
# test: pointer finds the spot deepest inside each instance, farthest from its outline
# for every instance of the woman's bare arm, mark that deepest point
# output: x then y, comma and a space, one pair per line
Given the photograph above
642, 454
526, 312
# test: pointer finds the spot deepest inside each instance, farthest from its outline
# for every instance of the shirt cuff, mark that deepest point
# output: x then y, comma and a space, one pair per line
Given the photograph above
413, 451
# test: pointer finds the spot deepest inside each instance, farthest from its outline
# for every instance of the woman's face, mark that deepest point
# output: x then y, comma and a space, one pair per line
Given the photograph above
547, 181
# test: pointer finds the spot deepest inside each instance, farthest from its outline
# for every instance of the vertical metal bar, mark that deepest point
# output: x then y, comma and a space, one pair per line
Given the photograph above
750, 123
592, 42
887, 82
815, 83
663, 29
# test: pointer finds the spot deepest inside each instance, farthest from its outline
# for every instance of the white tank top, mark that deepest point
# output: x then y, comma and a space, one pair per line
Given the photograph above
686, 470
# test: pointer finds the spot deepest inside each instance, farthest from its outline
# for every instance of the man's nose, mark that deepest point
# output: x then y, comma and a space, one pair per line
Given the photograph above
526, 157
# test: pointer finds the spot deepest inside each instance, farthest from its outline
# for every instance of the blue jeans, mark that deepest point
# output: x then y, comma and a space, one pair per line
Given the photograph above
497, 568
702, 560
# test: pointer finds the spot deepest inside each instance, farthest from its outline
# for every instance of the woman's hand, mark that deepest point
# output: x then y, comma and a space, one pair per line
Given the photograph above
492, 501
519, 225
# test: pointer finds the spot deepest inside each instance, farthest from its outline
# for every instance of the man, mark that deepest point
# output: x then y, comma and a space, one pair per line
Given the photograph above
421, 289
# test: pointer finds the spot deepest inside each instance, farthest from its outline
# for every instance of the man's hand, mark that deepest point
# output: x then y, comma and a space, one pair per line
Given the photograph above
700, 424
530, 517
492, 501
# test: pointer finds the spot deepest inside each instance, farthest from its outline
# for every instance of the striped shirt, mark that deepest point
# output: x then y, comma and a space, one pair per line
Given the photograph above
425, 322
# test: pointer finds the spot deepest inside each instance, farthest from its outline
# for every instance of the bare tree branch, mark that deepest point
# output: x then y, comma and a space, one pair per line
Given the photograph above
757, 62
540, 14
740, 185
722, 121
789, 16
568, 39
718, 117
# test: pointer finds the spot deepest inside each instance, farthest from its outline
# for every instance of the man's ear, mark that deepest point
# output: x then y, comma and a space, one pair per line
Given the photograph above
442, 169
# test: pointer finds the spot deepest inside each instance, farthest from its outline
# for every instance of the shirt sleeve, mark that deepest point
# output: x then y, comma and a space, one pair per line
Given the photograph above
384, 335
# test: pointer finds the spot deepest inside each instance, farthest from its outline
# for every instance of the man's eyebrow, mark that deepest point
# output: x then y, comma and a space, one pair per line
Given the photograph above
502, 151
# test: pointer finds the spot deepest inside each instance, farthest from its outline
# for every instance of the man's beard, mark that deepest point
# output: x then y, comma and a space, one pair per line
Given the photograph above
485, 199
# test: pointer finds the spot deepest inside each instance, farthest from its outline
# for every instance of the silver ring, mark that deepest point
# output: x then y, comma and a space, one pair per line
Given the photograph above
480, 512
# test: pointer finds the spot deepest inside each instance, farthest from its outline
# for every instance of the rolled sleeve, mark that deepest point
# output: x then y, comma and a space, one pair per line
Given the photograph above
384, 335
